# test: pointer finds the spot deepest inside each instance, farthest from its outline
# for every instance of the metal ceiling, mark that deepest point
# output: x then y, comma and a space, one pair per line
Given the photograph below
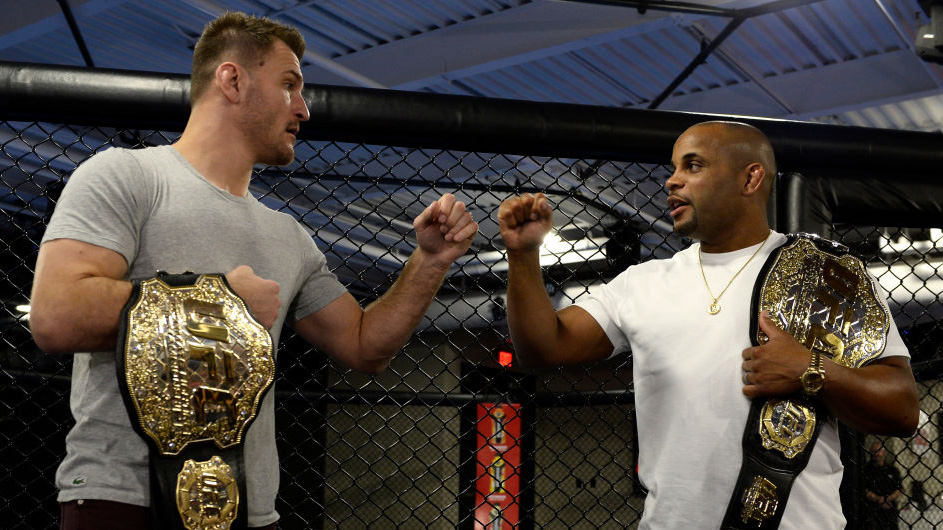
840, 61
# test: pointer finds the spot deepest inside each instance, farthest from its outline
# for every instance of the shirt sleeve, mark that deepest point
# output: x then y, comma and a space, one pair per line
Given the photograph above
104, 203
894, 347
603, 303
319, 287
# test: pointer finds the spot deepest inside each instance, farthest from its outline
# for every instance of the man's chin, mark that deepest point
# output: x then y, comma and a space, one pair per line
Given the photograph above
684, 229
280, 158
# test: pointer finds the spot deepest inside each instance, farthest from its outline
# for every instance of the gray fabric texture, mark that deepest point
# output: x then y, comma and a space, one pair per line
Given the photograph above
152, 207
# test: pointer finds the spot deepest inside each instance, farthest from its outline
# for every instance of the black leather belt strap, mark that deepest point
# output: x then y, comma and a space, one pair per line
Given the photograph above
766, 476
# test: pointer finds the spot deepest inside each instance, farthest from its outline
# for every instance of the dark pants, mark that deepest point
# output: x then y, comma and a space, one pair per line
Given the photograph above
95, 514
881, 518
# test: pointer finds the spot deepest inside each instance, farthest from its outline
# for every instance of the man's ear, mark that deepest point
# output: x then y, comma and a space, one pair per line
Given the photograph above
231, 80
756, 175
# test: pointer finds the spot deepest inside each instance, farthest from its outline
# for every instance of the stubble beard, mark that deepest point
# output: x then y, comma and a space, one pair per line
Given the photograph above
277, 154
271, 153
685, 228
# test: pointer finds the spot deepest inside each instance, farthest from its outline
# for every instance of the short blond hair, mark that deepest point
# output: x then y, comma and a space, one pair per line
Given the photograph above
241, 38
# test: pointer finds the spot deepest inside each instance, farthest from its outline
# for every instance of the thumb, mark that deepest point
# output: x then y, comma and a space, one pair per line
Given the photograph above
241, 270
769, 327
426, 217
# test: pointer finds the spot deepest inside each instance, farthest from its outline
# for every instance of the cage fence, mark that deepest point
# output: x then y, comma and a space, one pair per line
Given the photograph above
454, 434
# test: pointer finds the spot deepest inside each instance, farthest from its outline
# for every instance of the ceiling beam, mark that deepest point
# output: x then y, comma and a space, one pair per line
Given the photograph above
515, 36
642, 6
76, 33
746, 72
739, 16
814, 92
34, 19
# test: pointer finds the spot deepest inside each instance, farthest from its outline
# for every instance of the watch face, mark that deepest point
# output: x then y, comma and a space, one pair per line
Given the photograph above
812, 382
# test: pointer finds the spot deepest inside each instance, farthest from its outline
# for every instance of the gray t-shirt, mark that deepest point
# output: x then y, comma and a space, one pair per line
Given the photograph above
152, 207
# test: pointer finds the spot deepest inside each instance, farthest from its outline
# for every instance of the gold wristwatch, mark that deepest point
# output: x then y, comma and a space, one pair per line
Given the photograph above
814, 376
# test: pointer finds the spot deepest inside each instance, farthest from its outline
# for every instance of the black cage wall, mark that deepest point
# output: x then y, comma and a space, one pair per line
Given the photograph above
402, 449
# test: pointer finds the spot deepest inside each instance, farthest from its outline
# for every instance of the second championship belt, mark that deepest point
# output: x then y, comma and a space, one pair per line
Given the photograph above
823, 297
193, 365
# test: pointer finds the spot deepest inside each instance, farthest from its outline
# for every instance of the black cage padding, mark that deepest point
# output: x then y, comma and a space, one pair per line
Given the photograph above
148, 100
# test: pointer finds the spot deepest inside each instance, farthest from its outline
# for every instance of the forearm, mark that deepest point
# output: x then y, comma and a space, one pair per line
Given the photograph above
388, 322
879, 399
82, 317
532, 319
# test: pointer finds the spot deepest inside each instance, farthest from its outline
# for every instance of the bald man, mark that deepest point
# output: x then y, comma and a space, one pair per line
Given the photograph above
686, 320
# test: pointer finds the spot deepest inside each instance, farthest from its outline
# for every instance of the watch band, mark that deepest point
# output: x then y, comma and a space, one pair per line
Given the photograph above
814, 377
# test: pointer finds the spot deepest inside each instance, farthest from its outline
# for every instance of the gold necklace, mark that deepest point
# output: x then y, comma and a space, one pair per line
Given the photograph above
714, 308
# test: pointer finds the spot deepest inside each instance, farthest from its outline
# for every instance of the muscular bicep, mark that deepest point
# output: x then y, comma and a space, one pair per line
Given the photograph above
880, 398
68, 260
887, 377
77, 296
579, 339
584, 334
898, 367
335, 329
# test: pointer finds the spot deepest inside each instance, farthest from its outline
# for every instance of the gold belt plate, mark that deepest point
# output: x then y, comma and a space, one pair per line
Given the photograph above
196, 363
787, 426
207, 495
760, 501
826, 302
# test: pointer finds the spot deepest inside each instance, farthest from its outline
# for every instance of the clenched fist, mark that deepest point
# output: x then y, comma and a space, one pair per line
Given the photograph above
525, 221
445, 229
260, 295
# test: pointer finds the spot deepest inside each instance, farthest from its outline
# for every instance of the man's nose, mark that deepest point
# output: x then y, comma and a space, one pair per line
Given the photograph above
301, 109
673, 182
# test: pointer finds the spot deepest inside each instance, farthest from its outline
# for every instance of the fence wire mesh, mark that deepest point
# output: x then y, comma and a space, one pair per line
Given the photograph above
404, 448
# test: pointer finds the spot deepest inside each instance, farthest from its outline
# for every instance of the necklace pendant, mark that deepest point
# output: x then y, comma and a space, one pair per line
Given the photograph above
714, 308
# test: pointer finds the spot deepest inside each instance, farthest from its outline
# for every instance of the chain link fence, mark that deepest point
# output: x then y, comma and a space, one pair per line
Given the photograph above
454, 434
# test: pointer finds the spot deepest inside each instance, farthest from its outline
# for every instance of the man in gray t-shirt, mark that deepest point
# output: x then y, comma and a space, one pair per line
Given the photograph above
129, 213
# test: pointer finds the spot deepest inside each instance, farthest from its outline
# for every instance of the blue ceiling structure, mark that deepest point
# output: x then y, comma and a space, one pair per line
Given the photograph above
838, 61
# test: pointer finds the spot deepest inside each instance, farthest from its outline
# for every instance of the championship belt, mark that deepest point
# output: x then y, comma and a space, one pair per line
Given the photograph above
193, 365
823, 297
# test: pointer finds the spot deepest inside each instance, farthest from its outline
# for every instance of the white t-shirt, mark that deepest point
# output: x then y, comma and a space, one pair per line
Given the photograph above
688, 390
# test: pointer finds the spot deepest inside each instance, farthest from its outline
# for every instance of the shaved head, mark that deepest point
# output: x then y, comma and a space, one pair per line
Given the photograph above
744, 144
721, 185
